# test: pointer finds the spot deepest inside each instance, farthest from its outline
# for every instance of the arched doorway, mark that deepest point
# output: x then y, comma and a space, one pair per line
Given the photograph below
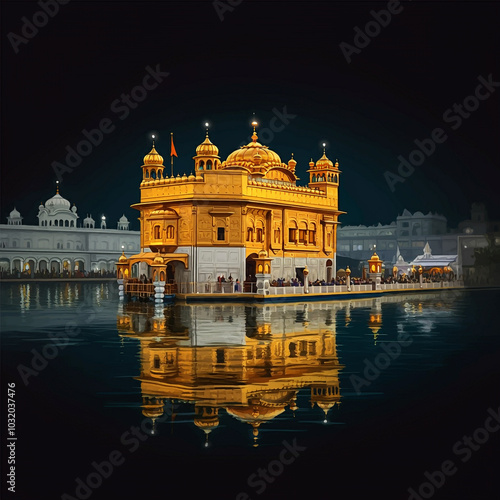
329, 271
170, 273
250, 269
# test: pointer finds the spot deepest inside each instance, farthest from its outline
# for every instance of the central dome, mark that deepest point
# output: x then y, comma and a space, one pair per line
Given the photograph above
57, 201
253, 155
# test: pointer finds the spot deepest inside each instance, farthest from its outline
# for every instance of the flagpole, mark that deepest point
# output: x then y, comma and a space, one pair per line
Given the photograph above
171, 155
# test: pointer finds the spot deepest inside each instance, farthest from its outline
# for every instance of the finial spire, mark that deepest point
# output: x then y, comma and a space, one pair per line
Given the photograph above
57, 187
207, 125
153, 137
324, 148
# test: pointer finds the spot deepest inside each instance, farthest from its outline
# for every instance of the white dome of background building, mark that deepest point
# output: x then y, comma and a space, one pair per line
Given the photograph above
14, 218
57, 212
123, 223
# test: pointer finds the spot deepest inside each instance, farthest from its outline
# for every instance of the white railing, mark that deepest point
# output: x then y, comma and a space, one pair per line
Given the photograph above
227, 287
418, 286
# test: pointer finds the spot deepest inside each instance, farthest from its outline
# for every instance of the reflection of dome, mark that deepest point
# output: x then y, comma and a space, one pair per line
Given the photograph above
57, 201
153, 411
207, 148
206, 419
252, 155
153, 158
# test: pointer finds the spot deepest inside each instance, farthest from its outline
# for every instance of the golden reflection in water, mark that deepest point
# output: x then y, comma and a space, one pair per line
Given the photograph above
249, 361
25, 297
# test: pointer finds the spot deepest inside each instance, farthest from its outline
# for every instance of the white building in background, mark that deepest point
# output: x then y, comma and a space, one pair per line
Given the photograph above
58, 243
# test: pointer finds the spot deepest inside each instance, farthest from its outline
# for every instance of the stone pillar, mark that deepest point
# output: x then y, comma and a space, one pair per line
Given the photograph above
348, 279
121, 289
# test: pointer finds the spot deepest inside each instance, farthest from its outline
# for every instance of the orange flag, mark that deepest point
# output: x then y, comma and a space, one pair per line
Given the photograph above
173, 152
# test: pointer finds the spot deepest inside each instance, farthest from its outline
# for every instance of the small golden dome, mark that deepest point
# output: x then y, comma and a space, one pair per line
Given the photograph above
191, 177
122, 258
311, 163
158, 260
263, 254
292, 163
324, 162
207, 148
153, 158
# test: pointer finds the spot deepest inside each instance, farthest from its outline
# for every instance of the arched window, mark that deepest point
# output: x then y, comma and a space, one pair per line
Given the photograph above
250, 234
156, 232
72, 223
335, 178
66, 223
170, 232
209, 165
153, 174
314, 178
312, 234
56, 222
147, 174
292, 233
260, 234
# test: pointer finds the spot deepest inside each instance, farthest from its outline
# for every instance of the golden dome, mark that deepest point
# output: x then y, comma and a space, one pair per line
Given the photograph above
254, 154
153, 158
122, 257
207, 148
324, 162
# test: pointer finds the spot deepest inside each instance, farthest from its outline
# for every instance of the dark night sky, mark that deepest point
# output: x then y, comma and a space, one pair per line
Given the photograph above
263, 56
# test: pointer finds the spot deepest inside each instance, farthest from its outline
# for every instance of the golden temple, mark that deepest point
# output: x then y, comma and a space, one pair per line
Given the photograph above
245, 218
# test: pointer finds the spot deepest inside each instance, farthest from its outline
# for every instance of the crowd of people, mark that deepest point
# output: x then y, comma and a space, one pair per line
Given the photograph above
341, 280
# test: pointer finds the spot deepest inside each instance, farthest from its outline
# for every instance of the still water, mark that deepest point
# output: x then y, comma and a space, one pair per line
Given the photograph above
394, 397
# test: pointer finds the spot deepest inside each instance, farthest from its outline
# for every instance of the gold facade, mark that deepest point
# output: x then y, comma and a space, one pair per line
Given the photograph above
249, 201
